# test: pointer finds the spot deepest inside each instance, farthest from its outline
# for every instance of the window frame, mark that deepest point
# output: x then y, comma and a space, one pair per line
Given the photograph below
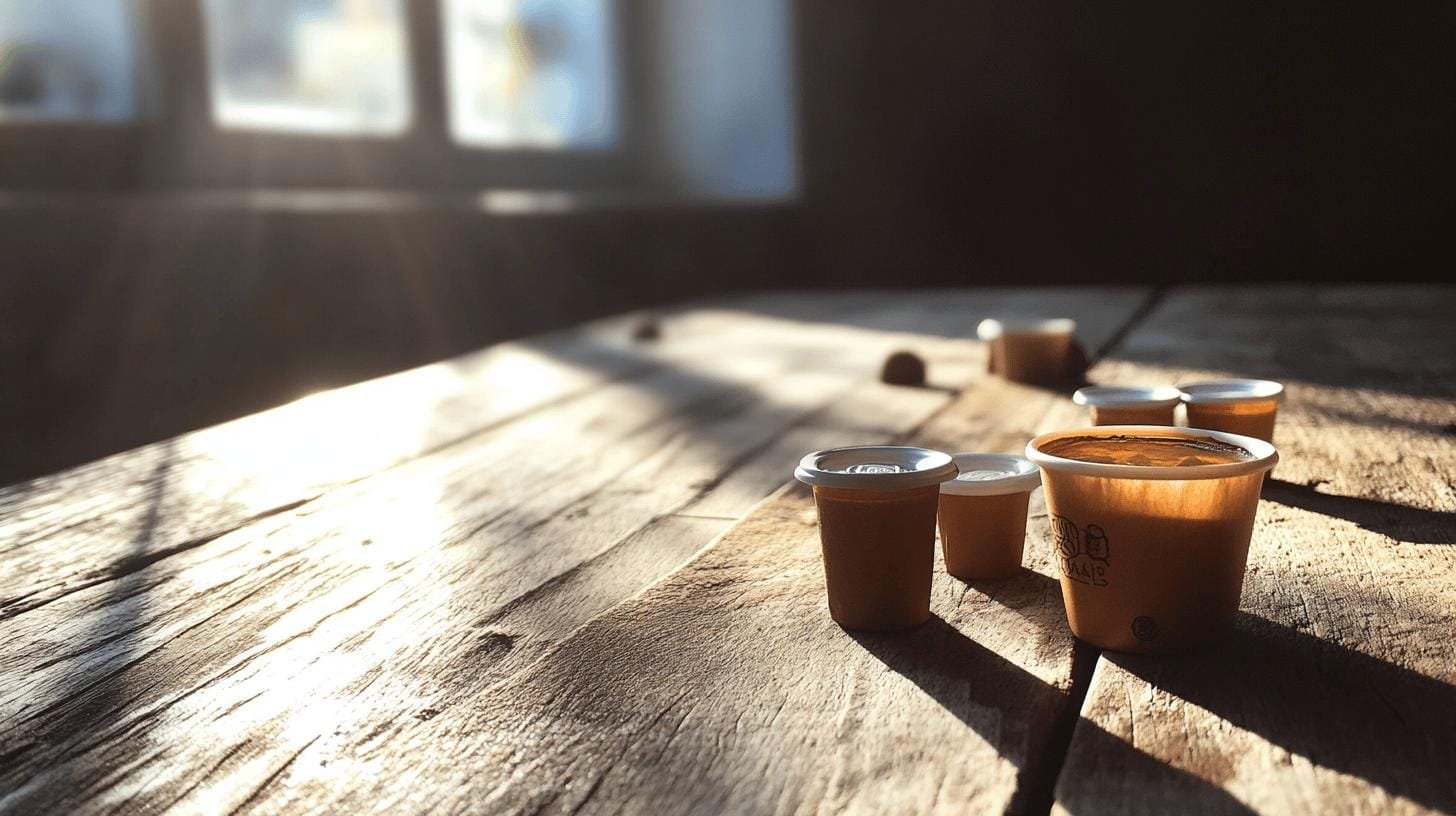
176, 143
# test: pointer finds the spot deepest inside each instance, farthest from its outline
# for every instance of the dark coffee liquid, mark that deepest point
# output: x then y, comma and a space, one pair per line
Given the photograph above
1148, 451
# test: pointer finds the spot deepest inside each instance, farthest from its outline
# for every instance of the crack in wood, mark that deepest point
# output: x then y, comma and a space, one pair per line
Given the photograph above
1036, 782
136, 563
271, 778
212, 769
1137, 318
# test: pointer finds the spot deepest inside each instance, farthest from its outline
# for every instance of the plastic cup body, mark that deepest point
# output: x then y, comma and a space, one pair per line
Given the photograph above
1133, 414
1152, 564
982, 537
998, 357
1033, 357
879, 553
1252, 418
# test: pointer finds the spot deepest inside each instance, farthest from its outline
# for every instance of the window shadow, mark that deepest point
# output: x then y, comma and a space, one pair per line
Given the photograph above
1341, 709
1398, 521
44, 749
1381, 338
1148, 784
1385, 421
1338, 707
989, 693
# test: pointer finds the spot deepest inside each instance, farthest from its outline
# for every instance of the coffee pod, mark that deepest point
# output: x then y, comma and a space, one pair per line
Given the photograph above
1150, 526
983, 515
1129, 405
877, 508
1246, 407
1029, 351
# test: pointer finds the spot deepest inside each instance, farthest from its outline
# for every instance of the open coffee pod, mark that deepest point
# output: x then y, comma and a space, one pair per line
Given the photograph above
877, 507
1151, 528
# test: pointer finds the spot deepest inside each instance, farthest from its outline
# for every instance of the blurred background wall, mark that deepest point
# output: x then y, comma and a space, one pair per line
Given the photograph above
211, 206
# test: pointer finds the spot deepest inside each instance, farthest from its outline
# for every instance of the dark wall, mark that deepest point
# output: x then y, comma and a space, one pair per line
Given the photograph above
167, 315
1038, 142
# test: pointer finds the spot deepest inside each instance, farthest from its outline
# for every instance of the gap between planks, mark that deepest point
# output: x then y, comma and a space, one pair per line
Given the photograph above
1038, 795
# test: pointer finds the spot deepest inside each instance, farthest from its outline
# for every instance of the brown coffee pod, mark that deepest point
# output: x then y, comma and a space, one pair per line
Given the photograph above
1151, 526
647, 330
903, 368
1035, 352
1077, 362
1129, 405
1247, 407
877, 509
983, 515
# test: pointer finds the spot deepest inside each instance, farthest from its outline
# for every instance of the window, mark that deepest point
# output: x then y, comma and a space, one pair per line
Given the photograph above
309, 66
727, 108
67, 60
530, 73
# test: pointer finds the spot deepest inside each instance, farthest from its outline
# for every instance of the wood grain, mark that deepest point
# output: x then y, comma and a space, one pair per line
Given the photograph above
144, 664
1337, 691
727, 688
184, 492
131, 509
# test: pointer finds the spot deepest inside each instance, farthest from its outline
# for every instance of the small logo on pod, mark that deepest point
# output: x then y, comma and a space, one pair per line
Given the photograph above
1144, 628
1084, 553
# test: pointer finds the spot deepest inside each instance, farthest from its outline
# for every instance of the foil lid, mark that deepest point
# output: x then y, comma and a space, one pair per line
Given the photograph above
1132, 396
992, 328
991, 474
875, 467
1215, 391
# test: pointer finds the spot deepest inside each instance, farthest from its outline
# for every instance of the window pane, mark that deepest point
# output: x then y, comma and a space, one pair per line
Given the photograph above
531, 73
67, 60
314, 66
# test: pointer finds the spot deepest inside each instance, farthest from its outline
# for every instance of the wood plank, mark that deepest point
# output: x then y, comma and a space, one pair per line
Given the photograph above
132, 509
727, 688
456, 588
632, 450
456, 563
1101, 313
146, 504
1337, 691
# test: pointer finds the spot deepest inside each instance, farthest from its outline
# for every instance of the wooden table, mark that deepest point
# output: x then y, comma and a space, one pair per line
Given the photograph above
545, 578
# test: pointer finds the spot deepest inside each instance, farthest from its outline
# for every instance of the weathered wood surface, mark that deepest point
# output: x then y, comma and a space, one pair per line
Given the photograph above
191, 624
1337, 692
727, 688
142, 505
184, 492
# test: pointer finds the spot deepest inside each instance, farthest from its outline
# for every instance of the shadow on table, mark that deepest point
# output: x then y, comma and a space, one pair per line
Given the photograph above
1385, 421
652, 367
1398, 521
1394, 342
731, 413
1337, 707
42, 746
987, 693
1034, 597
